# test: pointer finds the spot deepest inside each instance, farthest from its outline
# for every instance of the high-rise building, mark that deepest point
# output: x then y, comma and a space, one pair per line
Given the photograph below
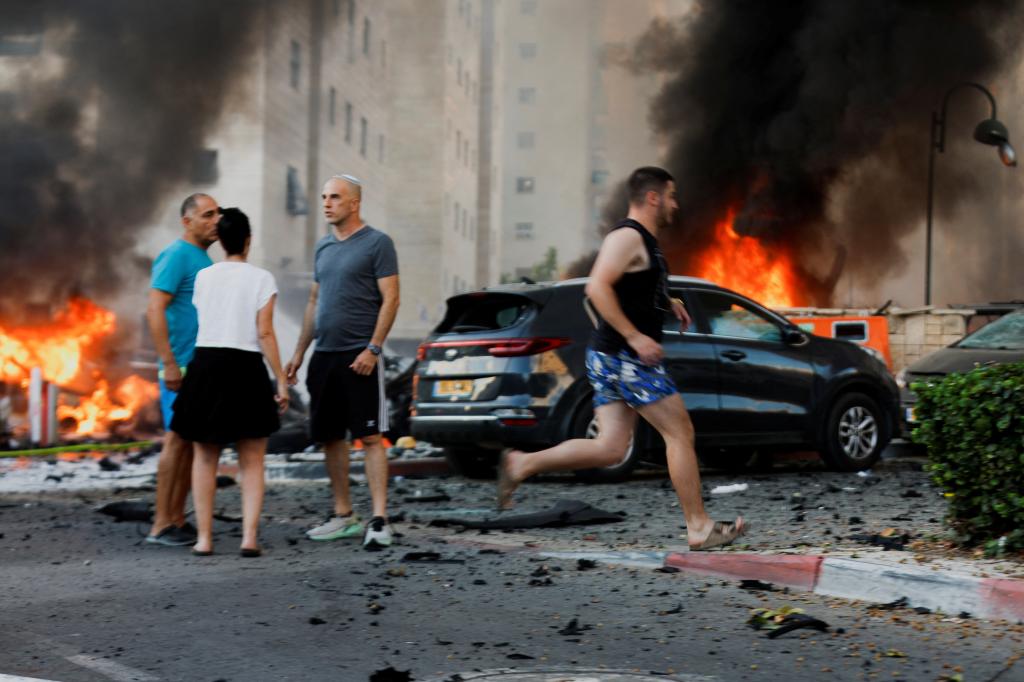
570, 121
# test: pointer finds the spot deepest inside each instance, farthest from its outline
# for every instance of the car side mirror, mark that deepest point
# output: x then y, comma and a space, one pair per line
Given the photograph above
794, 337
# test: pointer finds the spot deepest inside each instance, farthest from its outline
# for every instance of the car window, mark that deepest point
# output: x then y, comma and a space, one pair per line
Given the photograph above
729, 316
1006, 333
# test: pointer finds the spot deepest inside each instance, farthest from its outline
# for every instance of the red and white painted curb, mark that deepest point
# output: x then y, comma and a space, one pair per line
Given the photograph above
946, 591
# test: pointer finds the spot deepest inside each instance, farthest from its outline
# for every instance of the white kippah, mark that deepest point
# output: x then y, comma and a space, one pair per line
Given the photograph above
348, 178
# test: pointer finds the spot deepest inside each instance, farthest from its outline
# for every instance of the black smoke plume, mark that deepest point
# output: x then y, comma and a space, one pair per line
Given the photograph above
810, 118
108, 103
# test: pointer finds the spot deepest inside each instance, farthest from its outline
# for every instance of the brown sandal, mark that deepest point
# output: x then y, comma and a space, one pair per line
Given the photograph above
722, 533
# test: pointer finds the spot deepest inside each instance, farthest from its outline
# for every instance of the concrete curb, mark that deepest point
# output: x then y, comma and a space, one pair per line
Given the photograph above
946, 591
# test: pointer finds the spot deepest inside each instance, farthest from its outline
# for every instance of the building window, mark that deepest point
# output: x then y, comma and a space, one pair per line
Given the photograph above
296, 64
363, 131
352, 12
348, 122
465, 151
525, 140
524, 232
524, 185
527, 95
332, 96
458, 144
465, 221
458, 71
295, 197
366, 36
447, 204
527, 50
528, 7
472, 229
204, 167
458, 216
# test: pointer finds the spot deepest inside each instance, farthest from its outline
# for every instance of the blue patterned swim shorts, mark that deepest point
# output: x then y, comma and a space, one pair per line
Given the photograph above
623, 377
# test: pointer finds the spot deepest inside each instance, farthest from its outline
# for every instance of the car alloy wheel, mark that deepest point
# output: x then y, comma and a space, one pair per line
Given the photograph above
858, 432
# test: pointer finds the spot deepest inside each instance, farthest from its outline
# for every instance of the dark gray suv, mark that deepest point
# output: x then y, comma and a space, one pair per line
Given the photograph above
506, 368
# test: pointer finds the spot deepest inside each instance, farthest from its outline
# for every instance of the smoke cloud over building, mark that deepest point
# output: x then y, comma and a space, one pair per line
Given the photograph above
112, 102
810, 121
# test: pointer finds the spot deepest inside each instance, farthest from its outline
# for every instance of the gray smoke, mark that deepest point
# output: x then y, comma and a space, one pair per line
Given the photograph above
811, 119
110, 106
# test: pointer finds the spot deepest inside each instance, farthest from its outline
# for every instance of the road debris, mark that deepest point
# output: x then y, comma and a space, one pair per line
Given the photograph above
784, 619
563, 513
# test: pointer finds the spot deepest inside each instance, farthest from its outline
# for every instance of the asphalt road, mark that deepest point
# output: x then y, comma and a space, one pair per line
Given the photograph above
82, 598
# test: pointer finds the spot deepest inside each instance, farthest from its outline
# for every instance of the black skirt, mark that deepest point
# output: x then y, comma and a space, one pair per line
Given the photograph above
226, 395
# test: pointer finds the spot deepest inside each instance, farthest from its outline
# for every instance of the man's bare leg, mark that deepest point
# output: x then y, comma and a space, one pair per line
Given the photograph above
670, 418
336, 461
615, 421
376, 460
173, 482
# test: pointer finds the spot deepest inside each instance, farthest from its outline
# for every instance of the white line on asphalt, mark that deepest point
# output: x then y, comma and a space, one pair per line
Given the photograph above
108, 668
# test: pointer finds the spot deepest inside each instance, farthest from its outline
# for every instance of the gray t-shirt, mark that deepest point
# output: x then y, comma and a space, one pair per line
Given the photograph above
349, 299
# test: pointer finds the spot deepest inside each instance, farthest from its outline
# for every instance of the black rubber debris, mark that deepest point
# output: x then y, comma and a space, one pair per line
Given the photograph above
389, 674
429, 558
128, 510
756, 585
563, 513
797, 621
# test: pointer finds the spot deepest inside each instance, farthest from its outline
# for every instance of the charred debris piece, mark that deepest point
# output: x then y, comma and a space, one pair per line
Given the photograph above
563, 513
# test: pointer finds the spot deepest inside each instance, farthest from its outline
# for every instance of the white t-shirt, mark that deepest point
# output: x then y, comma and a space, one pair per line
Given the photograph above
227, 297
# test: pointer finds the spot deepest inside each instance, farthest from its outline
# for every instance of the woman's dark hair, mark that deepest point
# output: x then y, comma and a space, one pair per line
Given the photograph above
233, 230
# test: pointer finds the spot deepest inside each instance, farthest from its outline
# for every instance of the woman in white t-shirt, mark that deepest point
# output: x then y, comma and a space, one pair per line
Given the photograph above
226, 396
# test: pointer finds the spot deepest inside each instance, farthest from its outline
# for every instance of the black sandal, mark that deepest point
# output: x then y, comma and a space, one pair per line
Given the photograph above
722, 533
251, 552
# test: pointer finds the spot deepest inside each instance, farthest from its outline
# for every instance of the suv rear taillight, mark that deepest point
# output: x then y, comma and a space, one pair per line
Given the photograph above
501, 348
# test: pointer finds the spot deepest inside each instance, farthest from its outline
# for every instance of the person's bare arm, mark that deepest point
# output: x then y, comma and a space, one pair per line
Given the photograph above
305, 336
388, 287
621, 250
268, 344
156, 316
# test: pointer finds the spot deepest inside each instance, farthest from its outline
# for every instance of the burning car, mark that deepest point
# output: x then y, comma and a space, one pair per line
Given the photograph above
505, 367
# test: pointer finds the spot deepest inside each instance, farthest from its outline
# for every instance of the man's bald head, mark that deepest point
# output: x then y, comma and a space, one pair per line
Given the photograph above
341, 197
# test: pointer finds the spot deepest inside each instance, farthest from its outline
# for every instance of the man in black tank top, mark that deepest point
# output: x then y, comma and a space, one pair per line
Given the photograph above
628, 288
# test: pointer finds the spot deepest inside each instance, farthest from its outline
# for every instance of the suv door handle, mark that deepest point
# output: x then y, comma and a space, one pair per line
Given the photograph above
734, 354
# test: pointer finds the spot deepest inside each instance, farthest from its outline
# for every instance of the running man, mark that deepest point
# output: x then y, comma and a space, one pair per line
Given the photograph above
351, 308
174, 323
628, 287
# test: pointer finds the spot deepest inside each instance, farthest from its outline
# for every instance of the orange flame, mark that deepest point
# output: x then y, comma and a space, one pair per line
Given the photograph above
743, 264
100, 408
59, 348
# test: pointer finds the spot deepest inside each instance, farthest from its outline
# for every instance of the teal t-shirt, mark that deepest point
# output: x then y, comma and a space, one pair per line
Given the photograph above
174, 272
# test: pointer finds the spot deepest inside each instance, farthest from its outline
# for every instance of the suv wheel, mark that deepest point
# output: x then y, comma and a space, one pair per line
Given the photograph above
855, 433
585, 426
480, 463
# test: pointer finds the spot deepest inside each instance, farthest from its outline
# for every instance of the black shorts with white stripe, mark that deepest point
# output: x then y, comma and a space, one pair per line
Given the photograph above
343, 403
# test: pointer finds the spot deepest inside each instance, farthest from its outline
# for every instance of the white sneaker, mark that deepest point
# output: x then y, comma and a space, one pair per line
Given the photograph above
337, 527
378, 534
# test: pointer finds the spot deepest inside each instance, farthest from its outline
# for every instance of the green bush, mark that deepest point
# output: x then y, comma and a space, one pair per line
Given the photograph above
973, 427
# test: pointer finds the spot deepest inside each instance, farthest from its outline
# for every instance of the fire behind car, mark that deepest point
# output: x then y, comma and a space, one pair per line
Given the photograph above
505, 367
999, 342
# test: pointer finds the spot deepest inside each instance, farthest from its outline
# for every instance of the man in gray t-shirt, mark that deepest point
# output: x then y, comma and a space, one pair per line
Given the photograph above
351, 308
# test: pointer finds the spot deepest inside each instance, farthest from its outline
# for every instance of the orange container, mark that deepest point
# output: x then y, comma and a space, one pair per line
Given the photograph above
871, 331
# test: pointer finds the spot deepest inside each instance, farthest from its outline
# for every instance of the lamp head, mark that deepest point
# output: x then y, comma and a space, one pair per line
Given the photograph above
990, 131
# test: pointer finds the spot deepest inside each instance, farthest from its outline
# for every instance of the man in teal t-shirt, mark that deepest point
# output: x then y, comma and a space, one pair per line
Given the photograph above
174, 324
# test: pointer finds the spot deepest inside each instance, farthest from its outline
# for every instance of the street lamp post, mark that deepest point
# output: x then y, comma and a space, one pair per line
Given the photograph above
990, 132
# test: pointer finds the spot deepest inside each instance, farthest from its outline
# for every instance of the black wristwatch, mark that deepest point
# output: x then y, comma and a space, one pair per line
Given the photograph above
373, 348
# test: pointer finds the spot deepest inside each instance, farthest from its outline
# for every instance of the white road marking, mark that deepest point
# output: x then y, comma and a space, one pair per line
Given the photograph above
108, 668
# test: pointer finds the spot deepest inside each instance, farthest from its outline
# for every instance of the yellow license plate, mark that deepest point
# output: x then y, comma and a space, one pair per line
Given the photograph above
453, 388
